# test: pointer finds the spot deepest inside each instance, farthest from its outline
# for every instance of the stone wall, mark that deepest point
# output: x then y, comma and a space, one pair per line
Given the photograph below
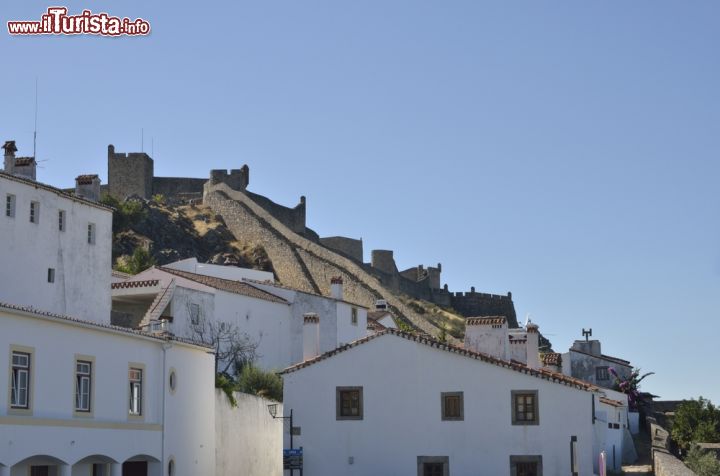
248, 440
482, 304
300, 262
348, 247
177, 188
129, 174
293, 218
664, 462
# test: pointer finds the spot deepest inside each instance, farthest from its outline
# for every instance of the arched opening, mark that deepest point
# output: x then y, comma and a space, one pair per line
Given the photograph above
38, 465
94, 465
142, 465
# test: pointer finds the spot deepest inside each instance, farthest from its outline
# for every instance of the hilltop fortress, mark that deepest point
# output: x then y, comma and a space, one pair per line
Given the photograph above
307, 260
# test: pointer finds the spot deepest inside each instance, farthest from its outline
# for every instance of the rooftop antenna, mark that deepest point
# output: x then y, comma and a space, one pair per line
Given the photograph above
142, 139
587, 333
152, 147
36, 109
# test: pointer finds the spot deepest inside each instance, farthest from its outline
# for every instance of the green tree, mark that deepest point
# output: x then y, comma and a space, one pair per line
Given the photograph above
703, 463
695, 421
138, 262
256, 381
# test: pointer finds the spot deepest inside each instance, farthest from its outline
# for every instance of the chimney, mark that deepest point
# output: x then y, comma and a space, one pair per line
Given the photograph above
25, 167
533, 345
311, 335
487, 335
336, 288
88, 187
10, 150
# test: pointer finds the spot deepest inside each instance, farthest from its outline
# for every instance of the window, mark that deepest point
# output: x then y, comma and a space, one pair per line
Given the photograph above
135, 375
91, 233
39, 470
349, 403
526, 465
353, 316
171, 467
20, 389
83, 387
452, 406
10, 205
194, 313
574, 467
61, 220
51, 275
601, 373
34, 212
525, 407
172, 381
433, 465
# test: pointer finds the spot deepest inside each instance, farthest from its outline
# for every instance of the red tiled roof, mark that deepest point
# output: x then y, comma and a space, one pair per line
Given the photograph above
374, 325
72, 320
86, 179
517, 367
281, 286
485, 321
236, 287
22, 161
552, 358
55, 190
135, 284
614, 403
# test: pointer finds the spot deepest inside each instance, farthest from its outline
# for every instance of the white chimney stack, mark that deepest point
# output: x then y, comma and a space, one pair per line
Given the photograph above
88, 187
311, 335
10, 149
533, 345
488, 335
336, 288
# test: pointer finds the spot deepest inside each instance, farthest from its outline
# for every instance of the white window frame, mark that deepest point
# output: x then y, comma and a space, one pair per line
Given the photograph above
25, 406
20, 372
136, 391
10, 200
83, 385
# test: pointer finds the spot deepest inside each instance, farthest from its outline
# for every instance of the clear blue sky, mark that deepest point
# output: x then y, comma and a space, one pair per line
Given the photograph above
564, 151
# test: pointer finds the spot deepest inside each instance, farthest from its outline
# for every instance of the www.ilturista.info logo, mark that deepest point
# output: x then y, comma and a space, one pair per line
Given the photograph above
57, 22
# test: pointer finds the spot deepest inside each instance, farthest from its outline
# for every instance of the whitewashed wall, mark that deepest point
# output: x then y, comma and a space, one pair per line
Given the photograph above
402, 414
249, 440
180, 420
234, 273
82, 270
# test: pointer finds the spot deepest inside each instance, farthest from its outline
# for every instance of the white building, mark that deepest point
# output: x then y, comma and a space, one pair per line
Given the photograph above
233, 273
336, 320
187, 301
279, 319
90, 399
437, 410
492, 336
56, 246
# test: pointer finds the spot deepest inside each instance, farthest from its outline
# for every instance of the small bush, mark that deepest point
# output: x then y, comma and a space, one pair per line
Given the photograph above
703, 463
256, 381
138, 262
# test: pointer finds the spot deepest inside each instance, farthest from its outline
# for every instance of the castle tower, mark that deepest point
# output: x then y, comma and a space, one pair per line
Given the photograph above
129, 174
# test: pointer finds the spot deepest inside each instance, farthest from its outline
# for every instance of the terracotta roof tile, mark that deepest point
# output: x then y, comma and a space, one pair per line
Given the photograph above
135, 284
281, 286
544, 374
55, 190
614, 403
86, 179
236, 287
485, 321
72, 320
375, 315
552, 358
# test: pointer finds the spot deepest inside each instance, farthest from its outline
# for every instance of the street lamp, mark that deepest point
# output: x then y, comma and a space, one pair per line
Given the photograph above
272, 409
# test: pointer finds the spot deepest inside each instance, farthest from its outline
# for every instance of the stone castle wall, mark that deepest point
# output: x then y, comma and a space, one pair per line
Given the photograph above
348, 247
129, 174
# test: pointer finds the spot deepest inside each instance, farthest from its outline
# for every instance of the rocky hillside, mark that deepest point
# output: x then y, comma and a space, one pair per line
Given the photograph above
172, 233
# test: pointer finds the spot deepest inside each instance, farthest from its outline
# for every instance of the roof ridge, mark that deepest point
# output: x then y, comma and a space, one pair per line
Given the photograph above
56, 190
544, 374
199, 278
111, 327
